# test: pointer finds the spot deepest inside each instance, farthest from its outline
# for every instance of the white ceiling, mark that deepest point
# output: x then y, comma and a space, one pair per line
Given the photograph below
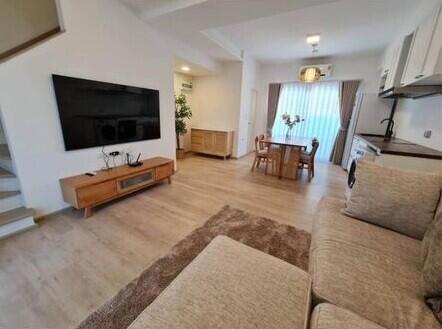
275, 30
346, 27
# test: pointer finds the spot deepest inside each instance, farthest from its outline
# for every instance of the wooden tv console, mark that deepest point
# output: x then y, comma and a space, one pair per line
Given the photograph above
86, 192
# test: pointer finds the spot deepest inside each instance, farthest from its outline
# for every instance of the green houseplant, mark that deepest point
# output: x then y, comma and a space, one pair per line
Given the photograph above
182, 112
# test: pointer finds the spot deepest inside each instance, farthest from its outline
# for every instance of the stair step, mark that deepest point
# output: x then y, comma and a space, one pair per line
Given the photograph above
4, 152
9, 184
15, 221
10, 200
6, 174
7, 194
6, 164
15, 215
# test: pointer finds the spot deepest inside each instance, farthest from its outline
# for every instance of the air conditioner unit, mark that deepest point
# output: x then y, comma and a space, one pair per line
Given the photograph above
186, 86
325, 69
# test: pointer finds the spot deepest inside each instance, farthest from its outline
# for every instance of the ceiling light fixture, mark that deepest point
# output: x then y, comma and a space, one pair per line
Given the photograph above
313, 39
185, 68
310, 74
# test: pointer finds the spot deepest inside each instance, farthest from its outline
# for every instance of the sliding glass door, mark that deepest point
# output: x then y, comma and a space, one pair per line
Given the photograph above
318, 104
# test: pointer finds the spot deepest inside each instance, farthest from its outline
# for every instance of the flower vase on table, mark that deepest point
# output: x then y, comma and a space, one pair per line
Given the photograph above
290, 123
289, 132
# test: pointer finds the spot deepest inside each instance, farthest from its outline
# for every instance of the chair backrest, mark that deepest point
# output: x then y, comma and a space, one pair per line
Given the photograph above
261, 145
315, 146
257, 147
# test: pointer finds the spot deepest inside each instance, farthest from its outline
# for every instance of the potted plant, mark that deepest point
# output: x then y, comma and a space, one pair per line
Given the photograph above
182, 112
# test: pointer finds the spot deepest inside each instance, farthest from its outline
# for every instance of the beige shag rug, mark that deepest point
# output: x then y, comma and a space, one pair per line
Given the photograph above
279, 240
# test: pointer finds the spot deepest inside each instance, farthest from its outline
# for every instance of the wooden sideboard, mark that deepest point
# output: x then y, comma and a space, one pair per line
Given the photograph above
86, 192
213, 142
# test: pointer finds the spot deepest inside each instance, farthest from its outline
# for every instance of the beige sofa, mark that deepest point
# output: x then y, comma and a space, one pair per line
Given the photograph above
372, 271
361, 275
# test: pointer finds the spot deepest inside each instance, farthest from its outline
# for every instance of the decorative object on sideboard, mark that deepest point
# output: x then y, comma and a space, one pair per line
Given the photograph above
135, 163
182, 112
106, 159
290, 123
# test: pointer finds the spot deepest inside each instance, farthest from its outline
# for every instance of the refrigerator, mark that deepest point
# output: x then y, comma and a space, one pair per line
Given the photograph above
368, 111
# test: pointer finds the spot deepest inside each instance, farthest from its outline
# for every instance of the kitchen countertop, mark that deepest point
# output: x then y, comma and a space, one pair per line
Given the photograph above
397, 146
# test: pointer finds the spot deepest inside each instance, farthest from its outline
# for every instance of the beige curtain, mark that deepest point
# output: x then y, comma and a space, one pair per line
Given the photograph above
347, 99
274, 90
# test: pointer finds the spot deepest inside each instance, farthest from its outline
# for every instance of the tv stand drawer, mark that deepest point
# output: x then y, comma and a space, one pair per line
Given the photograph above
164, 171
94, 194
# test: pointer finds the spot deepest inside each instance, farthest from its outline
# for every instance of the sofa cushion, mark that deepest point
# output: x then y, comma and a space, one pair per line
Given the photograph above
403, 201
328, 316
367, 269
230, 285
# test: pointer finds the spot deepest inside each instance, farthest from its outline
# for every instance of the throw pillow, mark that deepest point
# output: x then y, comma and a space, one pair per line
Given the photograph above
403, 201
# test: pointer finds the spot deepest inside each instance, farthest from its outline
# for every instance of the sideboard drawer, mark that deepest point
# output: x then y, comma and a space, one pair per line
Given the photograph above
164, 171
94, 194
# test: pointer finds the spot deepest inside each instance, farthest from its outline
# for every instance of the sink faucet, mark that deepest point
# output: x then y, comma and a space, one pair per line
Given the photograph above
390, 125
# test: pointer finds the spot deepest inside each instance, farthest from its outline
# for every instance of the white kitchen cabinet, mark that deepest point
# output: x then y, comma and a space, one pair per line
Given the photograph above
425, 50
387, 60
394, 60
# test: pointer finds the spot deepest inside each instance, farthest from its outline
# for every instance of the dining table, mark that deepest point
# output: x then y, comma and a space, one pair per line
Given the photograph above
286, 143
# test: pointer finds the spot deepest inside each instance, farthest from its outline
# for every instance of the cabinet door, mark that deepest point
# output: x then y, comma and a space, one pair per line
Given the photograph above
197, 141
220, 143
419, 49
164, 171
387, 60
208, 142
434, 53
394, 60
94, 194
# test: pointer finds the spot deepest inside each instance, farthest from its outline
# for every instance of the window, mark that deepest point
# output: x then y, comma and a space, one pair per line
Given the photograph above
318, 104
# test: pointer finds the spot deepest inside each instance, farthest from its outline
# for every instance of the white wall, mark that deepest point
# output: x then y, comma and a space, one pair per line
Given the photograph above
103, 41
216, 100
363, 67
250, 81
178, 80
413, 117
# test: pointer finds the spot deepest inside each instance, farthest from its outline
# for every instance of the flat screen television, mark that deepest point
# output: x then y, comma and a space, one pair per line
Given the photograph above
94, 113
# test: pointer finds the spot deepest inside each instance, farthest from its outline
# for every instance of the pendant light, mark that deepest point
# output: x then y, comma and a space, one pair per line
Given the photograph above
311, 73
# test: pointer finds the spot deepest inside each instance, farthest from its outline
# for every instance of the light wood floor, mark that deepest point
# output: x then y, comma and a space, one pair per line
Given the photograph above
55, 275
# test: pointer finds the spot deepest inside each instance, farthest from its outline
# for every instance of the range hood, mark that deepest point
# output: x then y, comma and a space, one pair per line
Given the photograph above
411, 92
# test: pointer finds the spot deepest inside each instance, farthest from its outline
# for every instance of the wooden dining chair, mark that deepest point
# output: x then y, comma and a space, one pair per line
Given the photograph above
307, 159
260, 155
262, 146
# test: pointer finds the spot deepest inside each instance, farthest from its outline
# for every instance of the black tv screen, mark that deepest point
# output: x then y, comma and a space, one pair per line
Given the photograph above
94, 113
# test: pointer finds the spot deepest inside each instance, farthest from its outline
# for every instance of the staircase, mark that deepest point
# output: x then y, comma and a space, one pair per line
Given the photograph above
14, 217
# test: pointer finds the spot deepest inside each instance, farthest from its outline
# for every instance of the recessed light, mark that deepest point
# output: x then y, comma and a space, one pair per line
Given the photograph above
185, 68
313, 39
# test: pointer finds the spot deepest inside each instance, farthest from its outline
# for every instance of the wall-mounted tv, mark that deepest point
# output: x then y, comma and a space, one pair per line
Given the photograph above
94, 113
